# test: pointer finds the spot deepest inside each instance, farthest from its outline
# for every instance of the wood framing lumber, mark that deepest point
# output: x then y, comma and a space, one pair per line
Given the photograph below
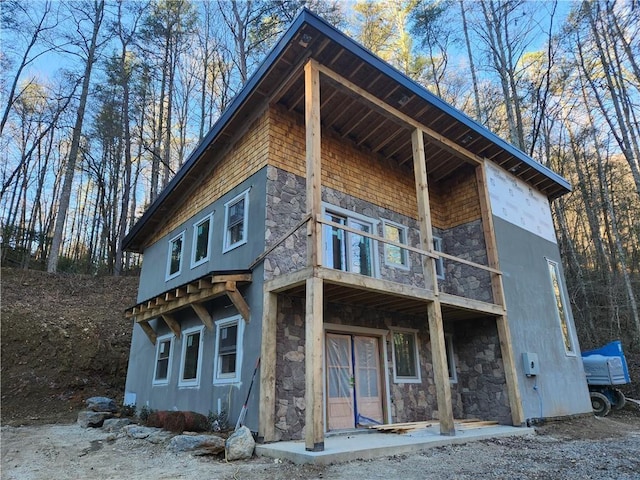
172, 323
203, 315
238, 301
313, 160
314, 425
267, 412
440, 372
149, 331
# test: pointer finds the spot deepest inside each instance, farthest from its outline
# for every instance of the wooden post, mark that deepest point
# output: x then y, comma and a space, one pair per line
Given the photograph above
266, 428
440, 370
314, 165
436, 329
314, 426
502, 321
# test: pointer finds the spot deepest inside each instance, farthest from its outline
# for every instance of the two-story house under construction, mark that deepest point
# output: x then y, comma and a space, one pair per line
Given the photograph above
387, 258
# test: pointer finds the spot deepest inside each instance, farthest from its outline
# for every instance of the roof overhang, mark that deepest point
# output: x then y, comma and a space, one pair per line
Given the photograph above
351, 101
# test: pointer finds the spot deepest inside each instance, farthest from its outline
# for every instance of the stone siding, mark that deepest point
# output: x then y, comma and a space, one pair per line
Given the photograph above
480, 390
481, 380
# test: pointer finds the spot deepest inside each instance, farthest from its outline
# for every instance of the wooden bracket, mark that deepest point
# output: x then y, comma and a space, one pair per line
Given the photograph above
148, 329
172, 323
203, 315
238, 301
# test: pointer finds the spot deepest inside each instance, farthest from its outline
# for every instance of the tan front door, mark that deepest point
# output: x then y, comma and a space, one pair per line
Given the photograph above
354, 395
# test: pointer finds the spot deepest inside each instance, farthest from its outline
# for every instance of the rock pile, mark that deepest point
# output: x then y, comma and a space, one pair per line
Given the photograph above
163, 427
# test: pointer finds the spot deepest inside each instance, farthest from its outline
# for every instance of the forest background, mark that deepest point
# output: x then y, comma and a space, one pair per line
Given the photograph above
103, 100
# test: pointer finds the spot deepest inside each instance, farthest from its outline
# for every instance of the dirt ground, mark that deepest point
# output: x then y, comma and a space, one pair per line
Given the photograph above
588, 447
64, 339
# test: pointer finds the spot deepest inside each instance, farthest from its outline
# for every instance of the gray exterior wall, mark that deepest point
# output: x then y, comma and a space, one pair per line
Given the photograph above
154, 264
561, 386
203, 398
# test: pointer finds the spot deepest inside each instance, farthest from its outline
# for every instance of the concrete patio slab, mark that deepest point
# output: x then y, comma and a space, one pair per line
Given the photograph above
368, 444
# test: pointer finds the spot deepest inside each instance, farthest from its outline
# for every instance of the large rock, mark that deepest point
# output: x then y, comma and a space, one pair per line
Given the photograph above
92, 419
136, 431
240, 445
115, 424
101, 404
197, 444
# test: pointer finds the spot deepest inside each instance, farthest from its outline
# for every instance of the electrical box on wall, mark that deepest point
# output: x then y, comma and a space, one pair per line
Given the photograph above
530, 364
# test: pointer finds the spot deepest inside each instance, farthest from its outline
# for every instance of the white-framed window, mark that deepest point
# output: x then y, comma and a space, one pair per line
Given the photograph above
349, 251
451, 359
191, 357
561, 307
437, 246
236, 212
228, 351
164, 355
174, 259
395, 256
406, 360
202, 233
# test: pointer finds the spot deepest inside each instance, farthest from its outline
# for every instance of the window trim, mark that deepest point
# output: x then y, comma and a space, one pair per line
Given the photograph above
230, 246
403, 252
168, 274
451, 359
159, 341
194, 241
186, 333
224, 322
437, 246
399, 379
351, 215
560, 296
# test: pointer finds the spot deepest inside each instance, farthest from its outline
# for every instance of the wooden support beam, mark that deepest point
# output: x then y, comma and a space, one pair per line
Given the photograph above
470, 304
238, 277
314, 335
184, 301
180, 292
203, 284
172, 323
502, 321
150, 332
192, 288
424, 210
440, 371
313, 160
203, 315
289, 280
266, 428
238, 301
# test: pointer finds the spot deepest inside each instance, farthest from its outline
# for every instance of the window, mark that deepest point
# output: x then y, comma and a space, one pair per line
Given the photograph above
201, 236
451, 359
437, 246
393, 255
406, 365
235, 221
191, 358
164, 349
560, 304
228, 352
346, 250
174, 263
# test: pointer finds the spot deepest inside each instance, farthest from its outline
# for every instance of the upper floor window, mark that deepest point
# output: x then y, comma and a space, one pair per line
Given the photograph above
235, 221
560, 305
174, 263
164, 351
393, 255
191, 357
201, 237
437, 246
228, 351
349, 251
406, 364
451, 359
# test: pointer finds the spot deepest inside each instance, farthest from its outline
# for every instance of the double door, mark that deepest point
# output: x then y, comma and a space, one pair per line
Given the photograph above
354, 387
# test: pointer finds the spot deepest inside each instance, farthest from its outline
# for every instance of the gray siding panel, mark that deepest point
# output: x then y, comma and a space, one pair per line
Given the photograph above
560, 389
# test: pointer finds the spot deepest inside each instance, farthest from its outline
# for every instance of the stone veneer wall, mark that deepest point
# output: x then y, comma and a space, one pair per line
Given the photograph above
409, 401
285, 207
467, 242
481, 380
